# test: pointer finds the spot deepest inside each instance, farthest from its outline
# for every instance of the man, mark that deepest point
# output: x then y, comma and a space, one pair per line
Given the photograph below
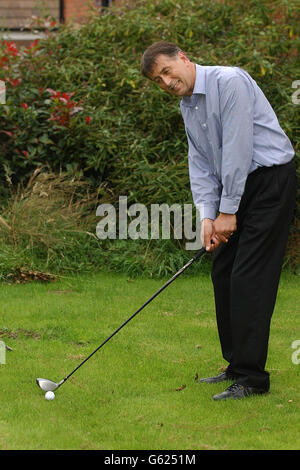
243, 182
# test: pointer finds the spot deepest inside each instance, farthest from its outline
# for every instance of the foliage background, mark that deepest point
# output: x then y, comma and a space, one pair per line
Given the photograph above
77, 107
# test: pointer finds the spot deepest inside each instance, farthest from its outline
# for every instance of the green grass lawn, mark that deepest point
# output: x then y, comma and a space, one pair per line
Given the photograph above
126, 396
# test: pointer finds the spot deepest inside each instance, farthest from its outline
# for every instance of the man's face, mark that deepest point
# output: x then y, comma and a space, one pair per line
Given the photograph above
176, 75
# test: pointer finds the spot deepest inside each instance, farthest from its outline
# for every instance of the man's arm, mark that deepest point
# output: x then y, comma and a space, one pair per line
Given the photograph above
206, 189
236, 108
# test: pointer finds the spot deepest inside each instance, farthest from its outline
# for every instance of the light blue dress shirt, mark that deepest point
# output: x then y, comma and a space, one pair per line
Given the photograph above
231, 130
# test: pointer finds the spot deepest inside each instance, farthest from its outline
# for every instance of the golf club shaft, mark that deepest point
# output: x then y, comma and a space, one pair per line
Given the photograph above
196, 257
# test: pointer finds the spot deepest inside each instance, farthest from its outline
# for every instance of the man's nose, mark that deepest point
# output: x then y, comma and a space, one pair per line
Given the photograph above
167, 81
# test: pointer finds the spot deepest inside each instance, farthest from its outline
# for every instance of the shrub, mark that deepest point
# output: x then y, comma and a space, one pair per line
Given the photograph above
76, 101
47, 223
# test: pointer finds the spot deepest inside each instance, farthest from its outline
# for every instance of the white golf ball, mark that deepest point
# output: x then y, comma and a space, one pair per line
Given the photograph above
49, 396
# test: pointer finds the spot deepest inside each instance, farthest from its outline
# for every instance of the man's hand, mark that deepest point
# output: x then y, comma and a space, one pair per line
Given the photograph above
207, 233
215, 232
224, 227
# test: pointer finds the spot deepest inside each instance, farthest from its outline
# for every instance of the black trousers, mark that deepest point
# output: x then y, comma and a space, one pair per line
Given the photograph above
246, 272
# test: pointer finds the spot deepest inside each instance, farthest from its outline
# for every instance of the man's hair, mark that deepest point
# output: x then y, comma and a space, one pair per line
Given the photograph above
152, 52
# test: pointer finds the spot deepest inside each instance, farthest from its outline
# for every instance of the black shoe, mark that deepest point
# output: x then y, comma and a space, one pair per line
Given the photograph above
236, 391
224, 376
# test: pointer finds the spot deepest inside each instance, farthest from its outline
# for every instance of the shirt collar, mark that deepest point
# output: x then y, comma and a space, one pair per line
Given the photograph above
199, 87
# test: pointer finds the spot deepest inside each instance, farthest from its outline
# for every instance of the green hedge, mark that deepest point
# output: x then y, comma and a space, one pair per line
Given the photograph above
76, 101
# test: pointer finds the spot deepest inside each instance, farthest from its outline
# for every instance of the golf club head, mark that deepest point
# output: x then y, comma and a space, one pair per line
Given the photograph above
47, 385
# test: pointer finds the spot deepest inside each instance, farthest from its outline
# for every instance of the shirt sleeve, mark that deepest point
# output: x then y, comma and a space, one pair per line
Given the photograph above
236, 109
206, 188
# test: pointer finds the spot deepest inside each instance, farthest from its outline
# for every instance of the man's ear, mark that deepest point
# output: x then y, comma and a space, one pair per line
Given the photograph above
183, 56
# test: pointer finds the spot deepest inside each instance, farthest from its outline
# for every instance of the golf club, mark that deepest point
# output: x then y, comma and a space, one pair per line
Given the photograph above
49, 385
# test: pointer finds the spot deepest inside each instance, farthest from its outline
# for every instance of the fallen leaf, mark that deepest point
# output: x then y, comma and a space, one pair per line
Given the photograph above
180, 388
196, 376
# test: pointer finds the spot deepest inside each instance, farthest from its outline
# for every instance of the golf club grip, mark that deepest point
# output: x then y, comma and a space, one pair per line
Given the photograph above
191, 261
199, 254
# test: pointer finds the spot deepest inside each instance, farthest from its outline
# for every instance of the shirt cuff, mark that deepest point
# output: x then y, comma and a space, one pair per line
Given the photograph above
229, 205
207, 211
